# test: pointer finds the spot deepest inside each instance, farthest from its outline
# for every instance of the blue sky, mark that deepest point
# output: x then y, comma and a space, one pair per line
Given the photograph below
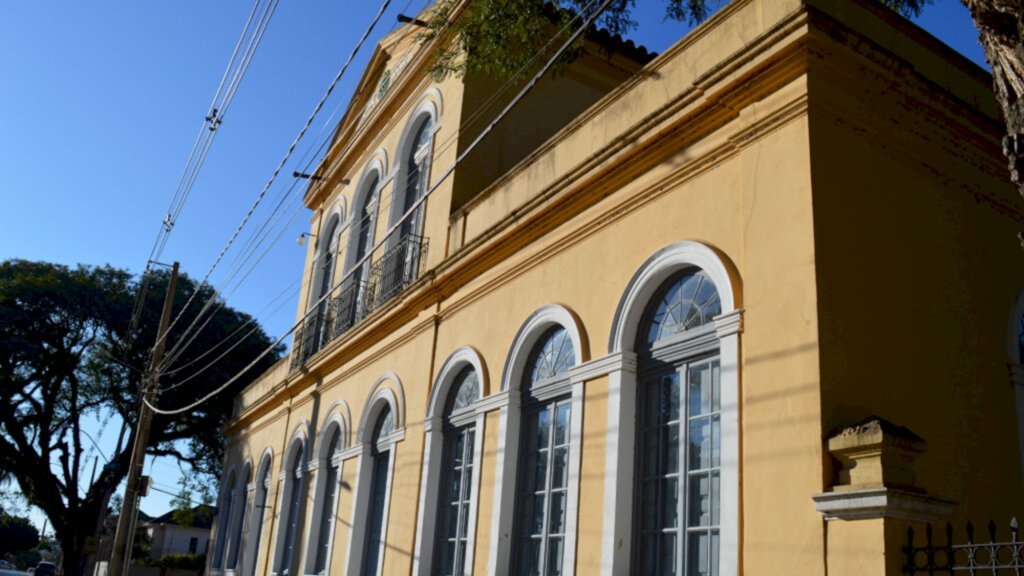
100, 103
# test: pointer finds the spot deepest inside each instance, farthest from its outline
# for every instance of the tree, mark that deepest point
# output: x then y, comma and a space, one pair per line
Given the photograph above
17, 534
498, 37
70, 352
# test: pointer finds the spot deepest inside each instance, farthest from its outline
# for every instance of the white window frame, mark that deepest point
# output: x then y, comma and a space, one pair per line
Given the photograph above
433, 458
286, 481
370, 195
236, 522
510, 431
426, 110
617, 533
335, 421
251, 550
226, 501
380, 395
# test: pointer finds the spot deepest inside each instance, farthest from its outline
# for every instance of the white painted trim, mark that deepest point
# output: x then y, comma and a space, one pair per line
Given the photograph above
335, 421
395, 398
602, 366
340, 407
426, 110
365, 193
621, 440
237, 520
299, 440
871, 503
493, 402
572, 505
433, 454
509, 430
250, 557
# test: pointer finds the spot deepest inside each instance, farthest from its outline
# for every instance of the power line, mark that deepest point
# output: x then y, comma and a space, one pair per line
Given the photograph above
277, 171
415, 205
452, 140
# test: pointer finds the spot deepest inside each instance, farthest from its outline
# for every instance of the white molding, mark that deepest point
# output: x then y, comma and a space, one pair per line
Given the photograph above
657, 269
724, 334
335, 420
572, 505
251, 552
369, 195
496, 401
547, 389
622, 360
351, 452
395, 398
871, 503
531, 331
360, 510
433, 450
291, 482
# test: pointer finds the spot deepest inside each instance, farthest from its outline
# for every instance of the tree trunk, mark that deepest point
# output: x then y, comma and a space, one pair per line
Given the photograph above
1000, 26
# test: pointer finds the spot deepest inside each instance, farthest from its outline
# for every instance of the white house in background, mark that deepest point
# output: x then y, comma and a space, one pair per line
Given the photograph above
169, 537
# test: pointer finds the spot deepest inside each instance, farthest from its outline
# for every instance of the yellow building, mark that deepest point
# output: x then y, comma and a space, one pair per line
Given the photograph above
742, 308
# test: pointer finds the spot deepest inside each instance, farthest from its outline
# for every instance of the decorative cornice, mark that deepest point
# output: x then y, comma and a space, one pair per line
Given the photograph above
729, 323
871, 503
614, 362
498, 400
351, 452
686, 344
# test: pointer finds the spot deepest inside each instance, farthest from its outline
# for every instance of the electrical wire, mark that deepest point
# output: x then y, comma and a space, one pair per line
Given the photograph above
412, 209
442, 147
277, 171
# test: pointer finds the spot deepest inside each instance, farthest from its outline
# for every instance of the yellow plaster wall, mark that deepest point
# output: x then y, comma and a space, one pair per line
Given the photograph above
592, 481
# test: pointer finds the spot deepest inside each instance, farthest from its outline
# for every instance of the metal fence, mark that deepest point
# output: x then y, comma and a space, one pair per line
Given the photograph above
393, 271
992, 554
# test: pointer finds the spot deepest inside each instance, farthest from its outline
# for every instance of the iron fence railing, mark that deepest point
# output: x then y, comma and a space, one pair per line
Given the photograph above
394, 271
992, 556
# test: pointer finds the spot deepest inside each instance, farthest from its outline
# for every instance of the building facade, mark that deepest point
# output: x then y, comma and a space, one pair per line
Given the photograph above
743, 308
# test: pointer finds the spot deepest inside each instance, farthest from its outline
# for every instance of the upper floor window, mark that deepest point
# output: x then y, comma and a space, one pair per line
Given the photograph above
541, 521
416, 173
679, 436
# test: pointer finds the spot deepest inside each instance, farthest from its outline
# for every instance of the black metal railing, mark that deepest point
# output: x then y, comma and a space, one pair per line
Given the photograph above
397, 268
394, 271
994, 555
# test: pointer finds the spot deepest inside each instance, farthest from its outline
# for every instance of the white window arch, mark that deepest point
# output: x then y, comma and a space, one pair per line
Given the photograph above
543, 415
362, 232
676, 339
381, 428
323, 520
227, 501
413, 158
236, 523
453, 448
292, 504
259, 517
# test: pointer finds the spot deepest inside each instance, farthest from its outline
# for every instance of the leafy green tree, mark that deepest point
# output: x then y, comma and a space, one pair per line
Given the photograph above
17, 534
498, 37
70, 352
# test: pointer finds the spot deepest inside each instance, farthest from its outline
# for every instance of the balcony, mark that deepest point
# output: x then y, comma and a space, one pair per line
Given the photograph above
388, 275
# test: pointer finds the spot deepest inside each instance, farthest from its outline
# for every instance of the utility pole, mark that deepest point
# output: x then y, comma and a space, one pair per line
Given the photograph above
121, 556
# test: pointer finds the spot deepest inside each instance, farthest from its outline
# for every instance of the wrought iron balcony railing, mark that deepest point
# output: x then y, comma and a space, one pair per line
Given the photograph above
394, 271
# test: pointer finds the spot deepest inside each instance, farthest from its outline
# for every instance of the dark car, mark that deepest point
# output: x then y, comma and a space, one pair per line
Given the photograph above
46, 569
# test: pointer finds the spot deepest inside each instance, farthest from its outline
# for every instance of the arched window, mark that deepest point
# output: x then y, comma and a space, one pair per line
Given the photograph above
380, 462
259, 507
543, 483
457, 467
364, 220
237, 522
226, 503
291, 513
679, 434
325, 511
415, 172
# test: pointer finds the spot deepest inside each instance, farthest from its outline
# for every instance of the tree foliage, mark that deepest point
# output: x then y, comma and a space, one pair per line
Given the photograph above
70, 354
17, 534
500, 37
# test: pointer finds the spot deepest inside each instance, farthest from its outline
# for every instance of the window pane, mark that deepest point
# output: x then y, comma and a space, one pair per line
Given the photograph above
554, 557
685, 301
556, 518
698, 555
551, 356
560, 470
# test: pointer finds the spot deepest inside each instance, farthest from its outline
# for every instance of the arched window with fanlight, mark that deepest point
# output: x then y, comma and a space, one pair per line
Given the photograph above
258, 516
226, 506
286, 560
679, 433
380, 463
457, 468
237, 521
541, 521
325, 510
351, 305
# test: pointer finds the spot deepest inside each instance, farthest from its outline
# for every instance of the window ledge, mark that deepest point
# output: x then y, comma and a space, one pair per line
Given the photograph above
871, 503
